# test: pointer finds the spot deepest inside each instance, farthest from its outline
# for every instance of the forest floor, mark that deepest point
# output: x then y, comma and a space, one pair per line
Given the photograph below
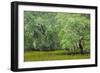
51, 55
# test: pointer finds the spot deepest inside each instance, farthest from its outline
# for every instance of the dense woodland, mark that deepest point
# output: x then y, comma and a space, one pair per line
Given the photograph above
44, 31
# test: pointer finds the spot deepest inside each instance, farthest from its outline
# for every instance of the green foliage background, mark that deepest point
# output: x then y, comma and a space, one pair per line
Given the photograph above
56, 30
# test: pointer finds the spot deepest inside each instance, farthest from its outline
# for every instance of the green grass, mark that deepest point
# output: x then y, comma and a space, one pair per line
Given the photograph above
51, 55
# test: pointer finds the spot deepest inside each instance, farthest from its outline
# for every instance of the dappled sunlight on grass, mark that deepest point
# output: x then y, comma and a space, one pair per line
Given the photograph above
52, 55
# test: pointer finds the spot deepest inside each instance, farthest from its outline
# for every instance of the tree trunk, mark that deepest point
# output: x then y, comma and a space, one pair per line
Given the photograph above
81, 45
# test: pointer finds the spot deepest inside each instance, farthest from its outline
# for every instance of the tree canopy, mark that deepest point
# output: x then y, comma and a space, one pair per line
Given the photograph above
56, 30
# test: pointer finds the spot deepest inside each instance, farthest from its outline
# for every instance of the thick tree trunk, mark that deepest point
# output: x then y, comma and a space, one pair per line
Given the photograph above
81, 45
